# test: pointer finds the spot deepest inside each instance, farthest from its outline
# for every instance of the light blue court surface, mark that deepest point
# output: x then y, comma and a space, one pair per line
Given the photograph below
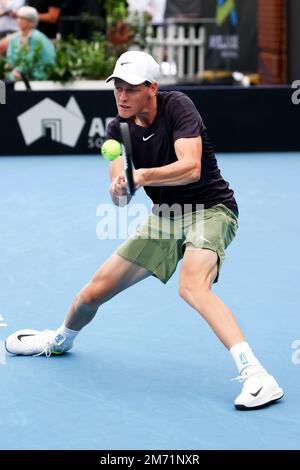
147, 373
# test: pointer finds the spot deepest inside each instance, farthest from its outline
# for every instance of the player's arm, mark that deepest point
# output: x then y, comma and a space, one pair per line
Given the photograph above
117, 188
186, 170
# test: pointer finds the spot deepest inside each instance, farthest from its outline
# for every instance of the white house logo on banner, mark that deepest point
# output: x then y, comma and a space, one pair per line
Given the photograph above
63, 125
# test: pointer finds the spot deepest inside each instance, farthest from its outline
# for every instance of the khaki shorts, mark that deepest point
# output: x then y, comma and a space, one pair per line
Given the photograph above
159, 242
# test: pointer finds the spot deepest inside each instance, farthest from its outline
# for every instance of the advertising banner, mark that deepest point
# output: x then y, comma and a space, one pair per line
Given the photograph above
231, 36
75, 122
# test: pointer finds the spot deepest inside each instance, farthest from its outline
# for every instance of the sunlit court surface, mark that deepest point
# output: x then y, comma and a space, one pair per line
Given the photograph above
147, 373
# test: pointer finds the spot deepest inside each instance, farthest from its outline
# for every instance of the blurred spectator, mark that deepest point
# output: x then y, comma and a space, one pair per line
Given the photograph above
183, 9
69, 9
154, 8
158, 10
29, 51
8, 22
91, 17
49, 13
94, 7
139, 6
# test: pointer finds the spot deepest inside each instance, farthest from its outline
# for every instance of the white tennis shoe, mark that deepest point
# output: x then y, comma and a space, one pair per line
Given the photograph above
259, 389
36, 343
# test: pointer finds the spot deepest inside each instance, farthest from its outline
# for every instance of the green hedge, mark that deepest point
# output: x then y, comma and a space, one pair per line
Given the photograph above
82, 59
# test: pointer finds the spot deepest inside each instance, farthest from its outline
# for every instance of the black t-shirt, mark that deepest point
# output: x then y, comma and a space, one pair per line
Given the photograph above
42, 6
153, 146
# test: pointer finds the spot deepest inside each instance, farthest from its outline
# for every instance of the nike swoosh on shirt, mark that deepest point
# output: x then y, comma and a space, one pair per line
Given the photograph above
147, 138
256, 393
23, 336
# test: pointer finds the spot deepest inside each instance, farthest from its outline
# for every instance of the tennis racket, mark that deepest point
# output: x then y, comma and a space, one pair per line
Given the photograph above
127, 156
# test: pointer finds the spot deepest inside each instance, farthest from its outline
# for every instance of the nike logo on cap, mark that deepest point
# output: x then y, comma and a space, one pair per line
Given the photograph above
256, 393
124, 63
23, 336
147, 138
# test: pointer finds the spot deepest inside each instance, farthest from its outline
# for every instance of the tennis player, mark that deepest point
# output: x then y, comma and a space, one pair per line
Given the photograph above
194, 218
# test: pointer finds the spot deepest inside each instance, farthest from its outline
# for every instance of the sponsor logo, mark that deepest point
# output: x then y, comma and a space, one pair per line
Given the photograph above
256, 393
225, 9
23, 336
243, 358
296, 94
59, 339
97, 132
147, 138
48, 118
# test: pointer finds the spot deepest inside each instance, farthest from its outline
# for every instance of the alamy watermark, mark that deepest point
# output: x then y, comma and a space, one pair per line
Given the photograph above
165, 223
2, 353
296, 354
2, 92
296, 94
2, 344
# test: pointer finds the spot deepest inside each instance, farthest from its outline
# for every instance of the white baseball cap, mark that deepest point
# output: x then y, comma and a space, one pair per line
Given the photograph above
135, 67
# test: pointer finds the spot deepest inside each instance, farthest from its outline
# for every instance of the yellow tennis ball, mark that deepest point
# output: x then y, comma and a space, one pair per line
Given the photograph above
111, 149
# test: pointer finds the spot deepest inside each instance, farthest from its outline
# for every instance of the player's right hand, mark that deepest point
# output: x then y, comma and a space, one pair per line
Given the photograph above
118, 186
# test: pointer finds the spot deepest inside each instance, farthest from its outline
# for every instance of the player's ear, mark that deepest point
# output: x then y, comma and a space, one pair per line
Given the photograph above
153, 88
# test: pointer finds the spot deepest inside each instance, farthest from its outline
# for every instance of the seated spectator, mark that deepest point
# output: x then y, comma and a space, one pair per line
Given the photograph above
8, 22
154, 8
158, 8
49, 13
29, 52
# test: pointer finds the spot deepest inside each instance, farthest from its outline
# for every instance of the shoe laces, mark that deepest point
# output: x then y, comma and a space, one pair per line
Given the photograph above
239, 378
47, 346
245, 374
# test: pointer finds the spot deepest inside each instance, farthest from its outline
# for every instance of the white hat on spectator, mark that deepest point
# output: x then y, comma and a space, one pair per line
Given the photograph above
135, 67
29, 13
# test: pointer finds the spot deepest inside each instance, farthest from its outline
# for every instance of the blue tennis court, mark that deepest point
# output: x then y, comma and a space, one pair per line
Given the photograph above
147, 373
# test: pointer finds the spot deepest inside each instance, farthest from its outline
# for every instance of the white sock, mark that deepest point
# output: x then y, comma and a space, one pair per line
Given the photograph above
68, 334
243, 356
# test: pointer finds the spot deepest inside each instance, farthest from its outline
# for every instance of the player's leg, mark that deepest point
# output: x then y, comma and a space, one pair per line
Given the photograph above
199, 269
115, 275
198, 272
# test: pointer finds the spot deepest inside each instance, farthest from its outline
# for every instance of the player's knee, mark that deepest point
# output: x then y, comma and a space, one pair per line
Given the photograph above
95, 292
88, 296
189, 289
185, 290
